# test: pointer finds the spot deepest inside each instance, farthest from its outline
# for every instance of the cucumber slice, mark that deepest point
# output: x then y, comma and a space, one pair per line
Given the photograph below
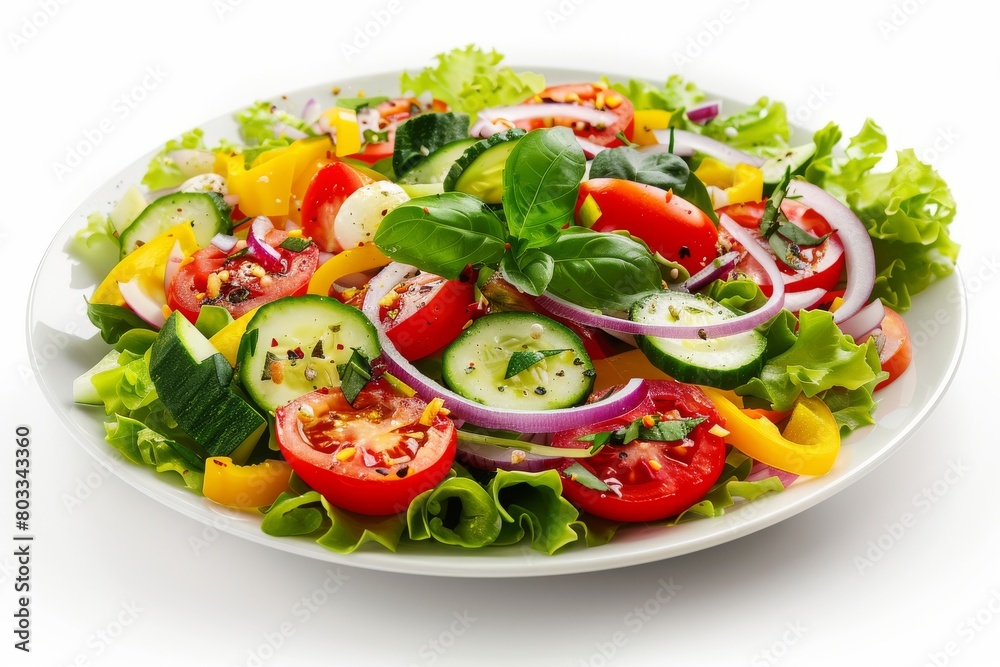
207, 212
193, 381
420, 136
795, 158
293, 346
436, 166
479, 171
718, 362
476, 363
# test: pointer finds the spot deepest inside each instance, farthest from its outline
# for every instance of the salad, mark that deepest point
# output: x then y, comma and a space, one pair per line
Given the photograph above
493, 310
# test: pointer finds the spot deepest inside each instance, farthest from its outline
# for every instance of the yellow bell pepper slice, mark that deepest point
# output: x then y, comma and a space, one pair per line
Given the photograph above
227, 339
808, 446
620, 368
345, 121
147, 263
245, 487
748, 184
353, 260
646, 121
715, 173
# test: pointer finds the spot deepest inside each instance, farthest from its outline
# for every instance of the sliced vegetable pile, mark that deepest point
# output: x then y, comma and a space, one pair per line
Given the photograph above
490, 311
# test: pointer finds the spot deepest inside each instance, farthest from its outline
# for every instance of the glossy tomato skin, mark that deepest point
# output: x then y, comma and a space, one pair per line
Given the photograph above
895, 349
593, 95
242, 291
326, 193
824, 263
670, 225
346, 452
428, 313
687, 470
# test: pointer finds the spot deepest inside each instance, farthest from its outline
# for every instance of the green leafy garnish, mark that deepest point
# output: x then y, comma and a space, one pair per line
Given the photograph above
584, 477
163, 171
522, 360
657, 430
354, 374
113, 321
295, 243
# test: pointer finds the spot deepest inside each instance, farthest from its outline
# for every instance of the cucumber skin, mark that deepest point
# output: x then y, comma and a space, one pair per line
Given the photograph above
198, 395
476, 151
691, 374
428, 171
132, 232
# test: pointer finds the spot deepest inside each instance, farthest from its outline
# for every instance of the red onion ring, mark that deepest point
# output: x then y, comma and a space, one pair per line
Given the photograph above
531, 421
859, 256
864, 321
548, 110
796, 301
311, 111
145, 306
762, 471
268, 257
590, 149
717, 267
704, 112
729, 327
492, 457
689, 141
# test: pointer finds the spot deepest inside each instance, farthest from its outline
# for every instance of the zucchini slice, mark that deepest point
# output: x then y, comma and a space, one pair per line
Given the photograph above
479, 171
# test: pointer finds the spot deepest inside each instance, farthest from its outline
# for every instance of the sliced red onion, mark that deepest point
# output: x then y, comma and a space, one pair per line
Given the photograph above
549, 110
286, 130
721, 329
174, 260
762, 471
484, 129
267, 256
689, 141
590, 149
704, 112
492, 457
859, 256
864, 321
796, 301
311, 111
530, 421
716, 268
193, 162
224, 242
145, 306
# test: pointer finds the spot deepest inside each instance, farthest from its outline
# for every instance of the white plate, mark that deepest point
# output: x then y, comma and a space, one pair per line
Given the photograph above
63, 344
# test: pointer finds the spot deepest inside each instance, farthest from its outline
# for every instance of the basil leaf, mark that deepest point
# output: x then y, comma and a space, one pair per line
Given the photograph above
419, 136
442, 234
354, 375
114, 321
581, 475
541, 180
530, 271
661, 170
799, 236
669, 430
601, 270
522, 360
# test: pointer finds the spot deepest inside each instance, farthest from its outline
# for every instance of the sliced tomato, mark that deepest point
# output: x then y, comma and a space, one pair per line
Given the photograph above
895, 350
392, 113
822, 264
670, 225
326, 193
654, 480
243, 284
591, 95
372, 457
427, 313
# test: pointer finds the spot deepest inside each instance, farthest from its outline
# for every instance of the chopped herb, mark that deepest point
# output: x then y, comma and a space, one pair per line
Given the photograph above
268, 359
295, 244
660, 430
522, 360
581, 475
238, 295
354, 375
317, 351
373, 137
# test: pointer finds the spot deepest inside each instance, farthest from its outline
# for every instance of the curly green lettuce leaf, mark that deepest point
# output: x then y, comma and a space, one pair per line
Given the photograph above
163, 171
907, 210
469, 80
144, 446
532, 505
458, 511
742, 295
675, 94
821, 358
731, 484
854, 408
761, 129
261, 127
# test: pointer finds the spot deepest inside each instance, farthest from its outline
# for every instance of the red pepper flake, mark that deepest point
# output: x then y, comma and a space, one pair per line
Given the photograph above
670, 194
274, 342
506, 246
426, 210
340, 346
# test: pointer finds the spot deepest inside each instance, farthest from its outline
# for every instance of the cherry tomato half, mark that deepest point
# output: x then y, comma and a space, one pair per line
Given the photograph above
427, 313
658, 479
670, 225
892, 339
591, 95
242, 283
822, 264
372, 457
326, 193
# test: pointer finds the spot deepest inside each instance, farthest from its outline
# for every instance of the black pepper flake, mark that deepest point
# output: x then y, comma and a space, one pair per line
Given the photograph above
317, 351
402, 472
702, 334
501, 388
560, 373
623, 455
382, 471
578, 362
540, 391
684, 252
589, 373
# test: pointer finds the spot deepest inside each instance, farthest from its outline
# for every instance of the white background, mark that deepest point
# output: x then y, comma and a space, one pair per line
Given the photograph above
797, 593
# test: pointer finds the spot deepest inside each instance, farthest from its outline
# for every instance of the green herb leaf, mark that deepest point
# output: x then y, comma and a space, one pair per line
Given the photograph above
541, 180
529, 271
295, 243
601, 270
522, 360
669, 430
421, 135
113, 321
581, 475
799, 236
442, 234
354, 374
